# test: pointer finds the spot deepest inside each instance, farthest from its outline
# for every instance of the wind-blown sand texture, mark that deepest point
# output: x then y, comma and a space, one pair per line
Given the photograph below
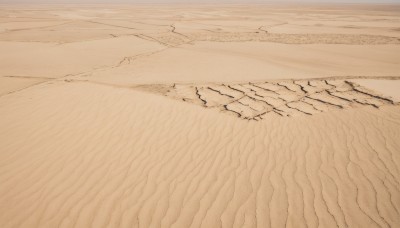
199, 116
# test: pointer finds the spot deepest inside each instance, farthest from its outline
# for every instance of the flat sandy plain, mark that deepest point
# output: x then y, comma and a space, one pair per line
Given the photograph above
199, 116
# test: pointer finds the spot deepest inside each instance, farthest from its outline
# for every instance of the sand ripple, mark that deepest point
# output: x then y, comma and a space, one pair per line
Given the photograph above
85, 155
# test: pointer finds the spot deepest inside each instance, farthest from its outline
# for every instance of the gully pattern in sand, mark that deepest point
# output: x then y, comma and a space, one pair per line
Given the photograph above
255, 101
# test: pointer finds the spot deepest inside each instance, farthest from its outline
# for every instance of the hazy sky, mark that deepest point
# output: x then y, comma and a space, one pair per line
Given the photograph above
196, 1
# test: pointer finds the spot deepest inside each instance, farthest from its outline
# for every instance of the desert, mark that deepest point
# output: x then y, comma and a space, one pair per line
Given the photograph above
199, 115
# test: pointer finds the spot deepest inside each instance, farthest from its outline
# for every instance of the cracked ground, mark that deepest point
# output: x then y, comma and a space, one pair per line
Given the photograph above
258, 100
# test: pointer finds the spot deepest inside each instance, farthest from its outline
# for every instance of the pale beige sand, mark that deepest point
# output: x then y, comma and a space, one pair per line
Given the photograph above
51, 60
93, 155
11, 84
199, 116
388, 87
240, 61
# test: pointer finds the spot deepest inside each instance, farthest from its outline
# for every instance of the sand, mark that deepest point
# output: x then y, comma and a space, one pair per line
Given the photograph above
199, 116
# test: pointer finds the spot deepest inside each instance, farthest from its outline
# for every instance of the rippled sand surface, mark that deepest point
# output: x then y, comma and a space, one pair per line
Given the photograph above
199, 116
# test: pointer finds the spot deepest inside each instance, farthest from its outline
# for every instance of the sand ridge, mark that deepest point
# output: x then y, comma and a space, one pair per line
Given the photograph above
174, 39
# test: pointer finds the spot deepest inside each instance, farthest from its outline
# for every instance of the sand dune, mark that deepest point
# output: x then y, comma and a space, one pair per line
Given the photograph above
253, 61
92, 155
199, 116
11, 84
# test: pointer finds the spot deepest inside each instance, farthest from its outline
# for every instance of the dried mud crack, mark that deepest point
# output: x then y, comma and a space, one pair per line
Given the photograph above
285, 98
